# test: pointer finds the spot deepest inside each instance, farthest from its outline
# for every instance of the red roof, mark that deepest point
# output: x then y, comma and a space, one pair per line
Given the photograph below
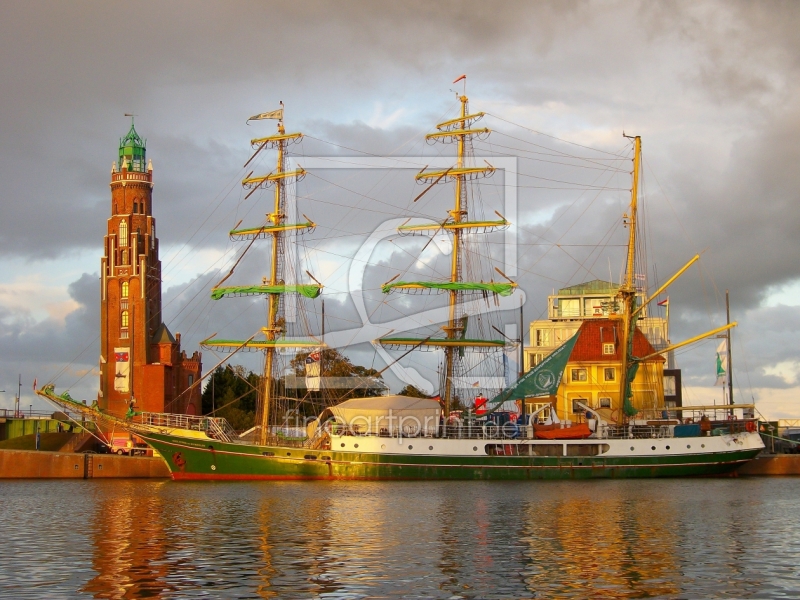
595, 333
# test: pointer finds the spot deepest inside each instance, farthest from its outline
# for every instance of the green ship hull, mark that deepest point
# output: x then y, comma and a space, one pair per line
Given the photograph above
196, 459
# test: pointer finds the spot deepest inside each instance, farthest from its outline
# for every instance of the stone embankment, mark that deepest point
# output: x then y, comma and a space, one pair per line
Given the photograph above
33, 464
772, 464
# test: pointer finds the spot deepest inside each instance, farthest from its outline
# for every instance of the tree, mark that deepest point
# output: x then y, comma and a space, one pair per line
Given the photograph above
368, 382
413, 392
232, 393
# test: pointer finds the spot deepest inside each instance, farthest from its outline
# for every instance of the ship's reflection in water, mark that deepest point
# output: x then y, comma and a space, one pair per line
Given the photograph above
605, 539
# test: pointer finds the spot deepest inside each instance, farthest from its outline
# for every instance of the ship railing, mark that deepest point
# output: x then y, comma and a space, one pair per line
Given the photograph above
216, 427
220, 429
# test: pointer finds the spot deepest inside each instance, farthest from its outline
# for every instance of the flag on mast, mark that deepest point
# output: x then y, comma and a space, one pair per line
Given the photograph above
722, 363
313, 371
273, 114
664, 302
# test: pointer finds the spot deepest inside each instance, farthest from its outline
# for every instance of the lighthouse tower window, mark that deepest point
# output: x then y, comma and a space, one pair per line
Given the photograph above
123, 234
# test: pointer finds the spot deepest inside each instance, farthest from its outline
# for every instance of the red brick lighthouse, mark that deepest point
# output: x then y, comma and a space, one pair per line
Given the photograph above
139, 357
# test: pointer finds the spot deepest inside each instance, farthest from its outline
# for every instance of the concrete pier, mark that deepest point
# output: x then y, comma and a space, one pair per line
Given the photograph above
772, 465
32, 464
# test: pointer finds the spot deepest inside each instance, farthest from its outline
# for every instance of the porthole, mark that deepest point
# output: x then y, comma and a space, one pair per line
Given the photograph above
652, 447
688, 446
702, 445
475, 448
213, 467
355, 445
430, 447
383, 446
410, 447
667, 447
342, 444
631, 448
288, 454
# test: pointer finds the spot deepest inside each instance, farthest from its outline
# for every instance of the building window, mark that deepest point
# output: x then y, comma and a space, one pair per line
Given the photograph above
191, 379
123, 234
570, 308
136, 207
608, 348
125, 289
605, 402
153, 236
123, 335
609, 374
578, 409
534, 358
578, 375
669, 385
123, 304
124, 318
542, 416
542, 337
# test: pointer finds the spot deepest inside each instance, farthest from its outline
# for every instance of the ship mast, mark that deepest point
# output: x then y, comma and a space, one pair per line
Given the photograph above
454, 324
627, 291
274, 286
457, 224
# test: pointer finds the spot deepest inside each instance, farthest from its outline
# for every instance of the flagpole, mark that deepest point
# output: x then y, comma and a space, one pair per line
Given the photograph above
730, 364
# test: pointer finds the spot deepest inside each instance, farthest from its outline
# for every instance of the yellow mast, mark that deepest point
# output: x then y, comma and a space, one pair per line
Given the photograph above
627, 290
458, 222
273, 286
272, 331
452, 328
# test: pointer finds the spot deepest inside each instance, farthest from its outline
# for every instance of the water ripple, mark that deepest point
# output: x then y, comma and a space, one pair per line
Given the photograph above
720, 538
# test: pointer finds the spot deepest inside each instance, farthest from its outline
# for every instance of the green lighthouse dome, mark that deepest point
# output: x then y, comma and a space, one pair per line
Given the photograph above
132, 151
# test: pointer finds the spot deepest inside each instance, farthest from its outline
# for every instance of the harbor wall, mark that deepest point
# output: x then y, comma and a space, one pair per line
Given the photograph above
772, 465
32, 464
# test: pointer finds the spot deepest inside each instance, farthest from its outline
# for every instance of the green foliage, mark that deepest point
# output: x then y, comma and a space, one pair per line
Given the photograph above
336, 364
413, 392
226, 385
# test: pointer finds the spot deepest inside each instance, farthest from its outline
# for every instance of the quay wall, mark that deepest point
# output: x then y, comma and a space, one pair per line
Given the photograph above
772, 465
32, 464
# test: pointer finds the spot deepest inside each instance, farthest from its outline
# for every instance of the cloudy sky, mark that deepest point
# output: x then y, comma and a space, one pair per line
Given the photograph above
712, 88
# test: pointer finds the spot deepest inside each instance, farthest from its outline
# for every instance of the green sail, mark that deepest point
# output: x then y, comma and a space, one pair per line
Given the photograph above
309, 291
504, 289
543, 379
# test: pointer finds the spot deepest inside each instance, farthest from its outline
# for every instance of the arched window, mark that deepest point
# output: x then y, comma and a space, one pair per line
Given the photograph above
136, 207
123, 234
125, 288
124, 319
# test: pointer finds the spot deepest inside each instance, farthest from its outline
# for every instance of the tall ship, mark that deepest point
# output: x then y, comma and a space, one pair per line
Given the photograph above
400, 437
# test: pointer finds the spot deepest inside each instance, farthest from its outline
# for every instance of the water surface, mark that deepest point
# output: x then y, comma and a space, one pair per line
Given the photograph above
682, 538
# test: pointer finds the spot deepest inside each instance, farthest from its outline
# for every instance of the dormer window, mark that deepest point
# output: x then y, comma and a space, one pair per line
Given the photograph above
608, 348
